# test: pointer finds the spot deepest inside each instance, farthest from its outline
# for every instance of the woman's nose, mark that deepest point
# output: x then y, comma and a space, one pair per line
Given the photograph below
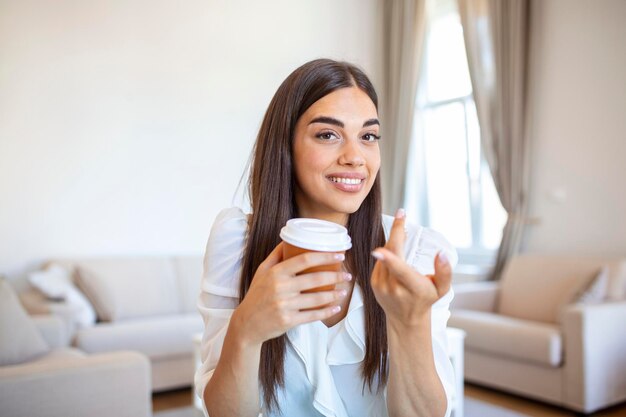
351, 154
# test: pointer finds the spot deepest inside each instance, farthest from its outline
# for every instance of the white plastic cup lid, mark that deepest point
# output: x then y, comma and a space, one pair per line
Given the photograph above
317, 235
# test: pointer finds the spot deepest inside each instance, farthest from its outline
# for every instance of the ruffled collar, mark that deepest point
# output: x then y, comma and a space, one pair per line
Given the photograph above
347, 346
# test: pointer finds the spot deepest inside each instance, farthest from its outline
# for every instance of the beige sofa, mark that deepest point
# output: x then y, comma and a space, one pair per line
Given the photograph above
552, 329
146, 305
40, 375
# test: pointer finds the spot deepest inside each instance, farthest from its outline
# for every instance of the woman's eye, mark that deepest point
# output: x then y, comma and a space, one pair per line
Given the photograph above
326, 136
370, 137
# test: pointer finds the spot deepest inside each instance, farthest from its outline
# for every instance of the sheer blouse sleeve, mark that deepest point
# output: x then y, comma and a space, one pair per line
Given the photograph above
424, 244
219, 290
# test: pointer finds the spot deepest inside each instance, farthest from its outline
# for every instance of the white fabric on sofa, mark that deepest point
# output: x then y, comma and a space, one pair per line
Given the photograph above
55, 282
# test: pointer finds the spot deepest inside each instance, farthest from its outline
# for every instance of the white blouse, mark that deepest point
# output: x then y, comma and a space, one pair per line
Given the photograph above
322, 375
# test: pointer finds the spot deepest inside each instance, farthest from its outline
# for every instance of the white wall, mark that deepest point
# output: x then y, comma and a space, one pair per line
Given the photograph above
126, 125
578, 117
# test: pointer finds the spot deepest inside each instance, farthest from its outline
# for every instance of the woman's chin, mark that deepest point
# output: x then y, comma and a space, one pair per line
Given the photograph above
349, 207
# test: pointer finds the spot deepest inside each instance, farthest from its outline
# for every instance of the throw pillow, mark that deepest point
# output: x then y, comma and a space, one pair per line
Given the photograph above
129, 288
538, 287
596, 291
616, 290
55, 283
19, 338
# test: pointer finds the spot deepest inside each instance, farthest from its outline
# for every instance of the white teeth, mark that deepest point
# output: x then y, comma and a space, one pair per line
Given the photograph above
352, 181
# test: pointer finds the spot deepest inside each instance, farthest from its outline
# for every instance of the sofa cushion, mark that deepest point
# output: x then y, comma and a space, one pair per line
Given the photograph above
157, 337
189, 273
19, 338
538, 288
54, 330
503, 336
129, 288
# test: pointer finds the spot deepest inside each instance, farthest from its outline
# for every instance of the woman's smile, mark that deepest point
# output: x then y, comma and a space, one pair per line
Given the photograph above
347, 181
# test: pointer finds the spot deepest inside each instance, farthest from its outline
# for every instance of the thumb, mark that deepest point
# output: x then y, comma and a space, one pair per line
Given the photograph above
397, 236
443, 274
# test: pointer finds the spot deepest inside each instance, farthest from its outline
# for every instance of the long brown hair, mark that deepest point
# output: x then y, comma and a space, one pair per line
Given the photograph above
271, 187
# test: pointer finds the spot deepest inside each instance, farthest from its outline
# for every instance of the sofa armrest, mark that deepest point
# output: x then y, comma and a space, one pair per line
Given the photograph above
478, 296
102, 385
595, 358
53, 329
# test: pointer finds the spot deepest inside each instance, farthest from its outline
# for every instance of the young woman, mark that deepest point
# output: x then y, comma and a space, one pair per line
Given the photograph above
379, 346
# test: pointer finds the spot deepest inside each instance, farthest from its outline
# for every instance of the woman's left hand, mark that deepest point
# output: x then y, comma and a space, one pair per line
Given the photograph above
405, 294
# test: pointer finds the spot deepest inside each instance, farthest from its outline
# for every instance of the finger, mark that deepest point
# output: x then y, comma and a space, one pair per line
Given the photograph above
315, 315
274, 258
307, 260
317, 279
397, 235
376, 272
380, 276
443, 274
315, 299
397, 267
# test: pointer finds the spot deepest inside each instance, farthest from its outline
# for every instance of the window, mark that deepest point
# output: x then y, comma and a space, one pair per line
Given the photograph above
449, 185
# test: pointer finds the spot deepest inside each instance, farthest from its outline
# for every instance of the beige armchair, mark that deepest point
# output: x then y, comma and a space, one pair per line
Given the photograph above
68, 382
552, 329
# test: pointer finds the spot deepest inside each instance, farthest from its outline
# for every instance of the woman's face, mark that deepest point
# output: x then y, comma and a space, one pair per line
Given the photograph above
336, 155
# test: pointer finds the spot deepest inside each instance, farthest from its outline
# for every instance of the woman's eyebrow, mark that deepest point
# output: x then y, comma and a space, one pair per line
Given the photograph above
371, 122
333, 121
327, 120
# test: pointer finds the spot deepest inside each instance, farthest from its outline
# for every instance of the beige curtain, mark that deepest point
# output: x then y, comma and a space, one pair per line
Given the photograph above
404, 31
496, 38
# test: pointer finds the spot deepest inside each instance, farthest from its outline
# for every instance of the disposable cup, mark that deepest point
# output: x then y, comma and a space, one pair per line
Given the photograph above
312, 235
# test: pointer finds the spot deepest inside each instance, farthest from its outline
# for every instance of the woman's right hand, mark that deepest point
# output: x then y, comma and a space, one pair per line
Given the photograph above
274, 301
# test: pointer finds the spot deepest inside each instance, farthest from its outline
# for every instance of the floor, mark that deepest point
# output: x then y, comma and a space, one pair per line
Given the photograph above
529, 407
183, 398
172, 399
